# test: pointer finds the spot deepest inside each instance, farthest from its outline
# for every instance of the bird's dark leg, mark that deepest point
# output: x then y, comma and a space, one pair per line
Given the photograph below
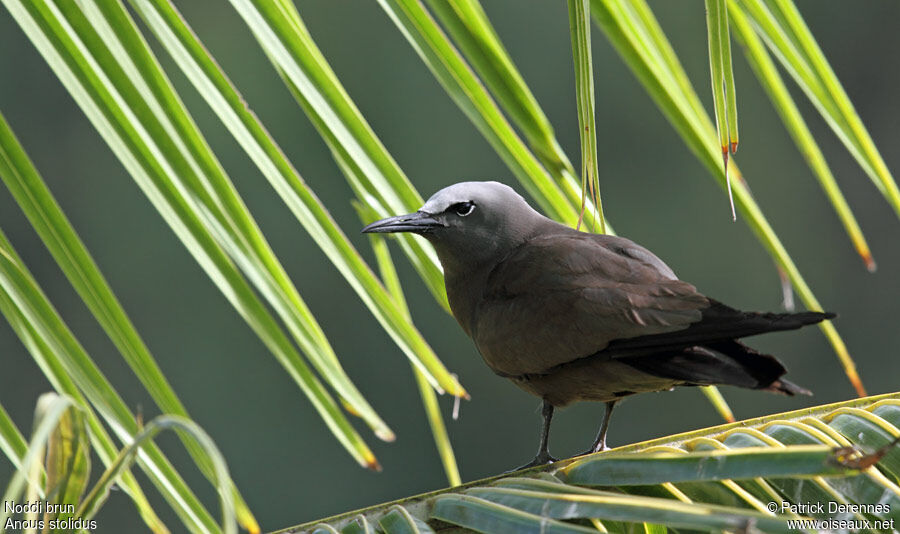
600, 442
543, 455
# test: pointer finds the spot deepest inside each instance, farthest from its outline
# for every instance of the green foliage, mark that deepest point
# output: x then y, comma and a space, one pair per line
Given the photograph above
56, 468
716, 479
580, 28
723, 92
733, 477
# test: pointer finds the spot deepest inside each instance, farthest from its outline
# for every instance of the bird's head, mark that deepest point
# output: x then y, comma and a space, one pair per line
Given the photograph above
468, 223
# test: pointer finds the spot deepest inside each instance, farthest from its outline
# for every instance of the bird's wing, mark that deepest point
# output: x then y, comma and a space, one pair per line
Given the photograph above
562, 297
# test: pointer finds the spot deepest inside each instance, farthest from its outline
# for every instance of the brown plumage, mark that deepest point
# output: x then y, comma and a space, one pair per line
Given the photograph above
571, 316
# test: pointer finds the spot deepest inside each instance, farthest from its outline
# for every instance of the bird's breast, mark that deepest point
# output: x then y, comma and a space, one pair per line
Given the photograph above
464, 293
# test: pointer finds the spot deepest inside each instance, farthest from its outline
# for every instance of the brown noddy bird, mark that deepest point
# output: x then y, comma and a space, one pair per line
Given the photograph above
572, 316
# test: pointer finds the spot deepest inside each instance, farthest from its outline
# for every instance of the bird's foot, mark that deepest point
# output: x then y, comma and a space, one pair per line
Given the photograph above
543, 458
598, 448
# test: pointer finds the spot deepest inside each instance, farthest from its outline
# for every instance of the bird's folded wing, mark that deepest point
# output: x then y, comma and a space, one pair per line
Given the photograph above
560, 298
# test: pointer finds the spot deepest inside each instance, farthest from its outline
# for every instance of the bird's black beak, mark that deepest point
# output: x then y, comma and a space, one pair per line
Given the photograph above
417, 223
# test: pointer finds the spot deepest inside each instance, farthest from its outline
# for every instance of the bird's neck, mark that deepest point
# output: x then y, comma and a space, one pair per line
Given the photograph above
466, 269
464, 290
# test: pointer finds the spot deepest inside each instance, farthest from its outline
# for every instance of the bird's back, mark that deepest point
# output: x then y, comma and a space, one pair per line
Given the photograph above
564, 295
573, 316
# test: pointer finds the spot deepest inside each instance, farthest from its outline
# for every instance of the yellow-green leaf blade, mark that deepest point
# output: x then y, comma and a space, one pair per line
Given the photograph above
12, 442
717, 68
781, 26
661, 75
50, 410
584, 503
767, 73
71, 371
626, 469
429, 399
193, 432
728, 73
51, 224
482, 515
858, 131
718, 401
68, 466
474, 35
226, 102
580, 30
451, 70
199, 179
124, 110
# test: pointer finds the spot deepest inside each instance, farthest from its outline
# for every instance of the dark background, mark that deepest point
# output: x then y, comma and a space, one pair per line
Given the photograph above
282, 457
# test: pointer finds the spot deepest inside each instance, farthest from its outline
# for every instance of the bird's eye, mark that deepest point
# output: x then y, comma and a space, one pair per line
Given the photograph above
464, 208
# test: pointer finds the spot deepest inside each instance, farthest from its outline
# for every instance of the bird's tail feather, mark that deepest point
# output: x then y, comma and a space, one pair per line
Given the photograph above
722, 318
786, 387
723, 363
719, 324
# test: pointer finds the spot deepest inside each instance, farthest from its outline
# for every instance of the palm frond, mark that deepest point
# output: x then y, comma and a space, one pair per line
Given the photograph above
46, 216
767, 73
782, 27
731, 477
103, 61
638, 38
74, 374
580, 29
461, 83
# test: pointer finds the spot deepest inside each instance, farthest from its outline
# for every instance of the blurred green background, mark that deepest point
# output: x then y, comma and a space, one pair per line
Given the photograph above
655, 192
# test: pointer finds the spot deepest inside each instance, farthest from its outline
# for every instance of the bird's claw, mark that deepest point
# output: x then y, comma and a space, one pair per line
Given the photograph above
592, 450
543, 458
